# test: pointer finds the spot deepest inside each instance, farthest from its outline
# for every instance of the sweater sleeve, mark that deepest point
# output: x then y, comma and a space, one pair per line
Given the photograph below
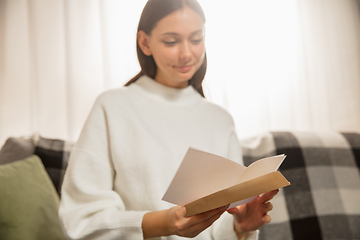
223, 228
89, 207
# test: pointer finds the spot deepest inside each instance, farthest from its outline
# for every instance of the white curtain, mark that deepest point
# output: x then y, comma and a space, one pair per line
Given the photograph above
290, 65
57, 56
275, 65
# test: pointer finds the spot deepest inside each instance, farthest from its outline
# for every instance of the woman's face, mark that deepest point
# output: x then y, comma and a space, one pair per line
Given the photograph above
177, 46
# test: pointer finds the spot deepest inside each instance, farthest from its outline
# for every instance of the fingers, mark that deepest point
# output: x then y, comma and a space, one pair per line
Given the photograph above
253, 215
268, 206
266, 219
233, 210
269, 195
204, 223
209, 214
180, 211
193, 225
236, 210
265, 198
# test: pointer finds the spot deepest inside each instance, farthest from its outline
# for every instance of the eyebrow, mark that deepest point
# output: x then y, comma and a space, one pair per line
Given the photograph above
176, 34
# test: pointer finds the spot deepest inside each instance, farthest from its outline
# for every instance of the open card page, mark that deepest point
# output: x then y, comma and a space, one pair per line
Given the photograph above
205, 181
201, 174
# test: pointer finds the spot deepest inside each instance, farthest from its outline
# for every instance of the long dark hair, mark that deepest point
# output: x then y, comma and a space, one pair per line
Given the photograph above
153, 12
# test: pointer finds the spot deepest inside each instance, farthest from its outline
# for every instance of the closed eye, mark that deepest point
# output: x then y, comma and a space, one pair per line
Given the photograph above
170, 43
197, 41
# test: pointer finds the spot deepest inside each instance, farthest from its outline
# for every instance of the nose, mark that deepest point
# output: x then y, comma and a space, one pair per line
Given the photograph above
185, 51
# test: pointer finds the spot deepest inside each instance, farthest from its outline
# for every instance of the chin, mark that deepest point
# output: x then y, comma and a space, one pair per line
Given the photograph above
184, 79
186, 76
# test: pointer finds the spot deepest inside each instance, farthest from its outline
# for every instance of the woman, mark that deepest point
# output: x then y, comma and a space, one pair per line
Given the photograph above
135, 138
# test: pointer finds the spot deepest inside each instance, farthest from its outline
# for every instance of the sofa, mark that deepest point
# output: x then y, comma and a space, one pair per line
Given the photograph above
31, 172
322, 202
323, 199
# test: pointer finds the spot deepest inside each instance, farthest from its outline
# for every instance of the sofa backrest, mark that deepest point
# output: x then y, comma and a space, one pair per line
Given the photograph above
322, 167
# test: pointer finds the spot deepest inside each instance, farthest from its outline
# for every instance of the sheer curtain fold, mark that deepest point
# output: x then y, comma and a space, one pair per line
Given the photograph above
85, 71
54, 62
47, 68
330, 60
15, 95
275, 65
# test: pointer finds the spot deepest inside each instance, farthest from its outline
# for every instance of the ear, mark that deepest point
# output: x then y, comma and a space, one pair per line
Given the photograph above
143, 41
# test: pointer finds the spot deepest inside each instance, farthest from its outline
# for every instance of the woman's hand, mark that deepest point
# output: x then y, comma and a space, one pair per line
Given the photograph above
253, 215
172, 222
192, 226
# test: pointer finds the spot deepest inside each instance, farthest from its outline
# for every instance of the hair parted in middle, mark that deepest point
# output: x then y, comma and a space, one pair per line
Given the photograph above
153, 12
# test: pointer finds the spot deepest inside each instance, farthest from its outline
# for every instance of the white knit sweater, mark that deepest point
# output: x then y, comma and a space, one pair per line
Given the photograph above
128, 152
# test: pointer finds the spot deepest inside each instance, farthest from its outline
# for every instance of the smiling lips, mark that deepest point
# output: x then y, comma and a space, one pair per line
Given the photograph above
184, 69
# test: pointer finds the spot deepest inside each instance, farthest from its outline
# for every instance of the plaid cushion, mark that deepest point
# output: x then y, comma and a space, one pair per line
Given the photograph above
54, 153
323, 199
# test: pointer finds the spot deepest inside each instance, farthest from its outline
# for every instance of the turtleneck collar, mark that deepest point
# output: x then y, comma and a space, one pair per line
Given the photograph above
149, 87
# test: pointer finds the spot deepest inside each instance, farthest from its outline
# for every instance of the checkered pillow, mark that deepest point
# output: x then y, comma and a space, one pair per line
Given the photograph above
323, 201
54, 153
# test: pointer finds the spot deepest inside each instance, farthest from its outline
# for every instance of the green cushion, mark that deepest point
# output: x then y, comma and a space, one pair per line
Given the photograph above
28, 202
